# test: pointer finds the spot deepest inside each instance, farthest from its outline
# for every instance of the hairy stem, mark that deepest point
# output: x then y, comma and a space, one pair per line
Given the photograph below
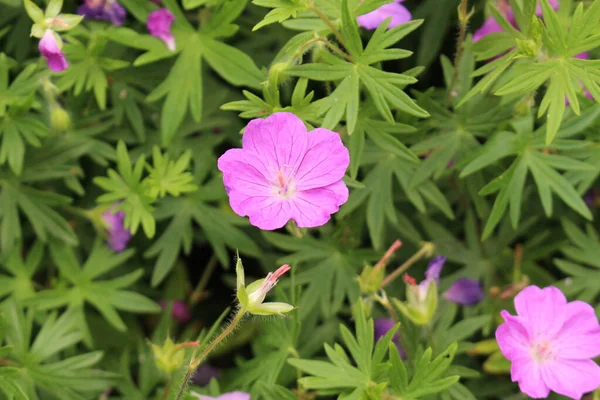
426, 250
195, 362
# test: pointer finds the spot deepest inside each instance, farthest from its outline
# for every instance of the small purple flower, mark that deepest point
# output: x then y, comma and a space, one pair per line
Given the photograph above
432, 274
181, 312
204, 373
118, 235
465, 291
108, 10
382, 326
50, 48
159, 24
395, 10
226, 396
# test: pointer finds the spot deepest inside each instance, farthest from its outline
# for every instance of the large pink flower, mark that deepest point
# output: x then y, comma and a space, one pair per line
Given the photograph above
395, 10
49, 47
283, 172
550, 344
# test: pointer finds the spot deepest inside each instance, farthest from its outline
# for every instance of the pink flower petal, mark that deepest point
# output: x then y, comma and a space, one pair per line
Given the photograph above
325, 162
572, 378
512, 337
543, 308
528, 373
280, 140
314, 207
49, 48
579, 337
395, 10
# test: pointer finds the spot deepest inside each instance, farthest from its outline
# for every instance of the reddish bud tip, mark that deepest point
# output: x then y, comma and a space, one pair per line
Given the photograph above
410, 280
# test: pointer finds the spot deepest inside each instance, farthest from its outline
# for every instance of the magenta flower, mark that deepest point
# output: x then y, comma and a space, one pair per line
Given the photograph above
50, 48
491, 26
394, 10
159, 24
181, 312
108, 10
550, 344
226, 396
283, 172
382, 326
465, 291
118, 235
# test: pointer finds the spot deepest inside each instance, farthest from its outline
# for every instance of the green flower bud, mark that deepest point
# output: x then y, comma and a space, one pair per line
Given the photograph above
169, 357
59, 119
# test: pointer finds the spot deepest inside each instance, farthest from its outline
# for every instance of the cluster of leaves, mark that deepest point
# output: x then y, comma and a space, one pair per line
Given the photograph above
459, 161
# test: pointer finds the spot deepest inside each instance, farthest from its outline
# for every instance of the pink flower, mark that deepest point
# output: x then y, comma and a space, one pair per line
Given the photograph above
283, 172
49, 47
395, 10
550, 344
159, 24
226, 396
491, 26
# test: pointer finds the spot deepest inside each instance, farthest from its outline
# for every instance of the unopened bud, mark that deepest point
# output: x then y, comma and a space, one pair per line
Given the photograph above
59, 119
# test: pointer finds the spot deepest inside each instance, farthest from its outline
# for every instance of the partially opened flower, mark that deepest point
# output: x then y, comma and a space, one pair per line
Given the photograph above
50, 47
118, 235
382, 327
252, 297
108, 10
491, 26
283, 172
226, 396
465, 291
550, 344
394, 10
159, 24
422, 298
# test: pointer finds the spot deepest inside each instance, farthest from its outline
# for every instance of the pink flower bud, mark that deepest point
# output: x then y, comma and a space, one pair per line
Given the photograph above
50, 49
159, 24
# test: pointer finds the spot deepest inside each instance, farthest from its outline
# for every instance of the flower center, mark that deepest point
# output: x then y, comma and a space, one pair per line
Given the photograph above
284, 187
542, 352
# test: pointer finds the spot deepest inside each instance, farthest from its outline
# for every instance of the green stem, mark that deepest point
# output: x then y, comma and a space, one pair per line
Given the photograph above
329, 23
463, 18
206, 274
426, 250
195, 362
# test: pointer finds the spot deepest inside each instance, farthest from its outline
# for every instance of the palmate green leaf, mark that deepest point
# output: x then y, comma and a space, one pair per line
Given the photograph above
220, 229
107, 295
72, 378
39, 209
182, 89
281, 11
127, 186
169, 177
379, 181
20, 285
88, 68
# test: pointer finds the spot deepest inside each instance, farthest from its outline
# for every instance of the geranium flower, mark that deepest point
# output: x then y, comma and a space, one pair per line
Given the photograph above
491, 26
50, 48
118, 235
465, 291
108, 10
159, 24
283, 172
395, 10
550, 344
226, 396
